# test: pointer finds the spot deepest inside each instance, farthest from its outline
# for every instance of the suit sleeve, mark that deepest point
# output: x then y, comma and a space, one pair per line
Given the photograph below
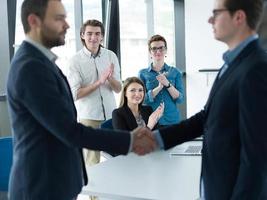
41, 91
252, 174
184, 131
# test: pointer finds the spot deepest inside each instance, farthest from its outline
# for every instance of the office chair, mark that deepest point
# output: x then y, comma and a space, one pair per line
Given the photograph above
6, 154
107, 125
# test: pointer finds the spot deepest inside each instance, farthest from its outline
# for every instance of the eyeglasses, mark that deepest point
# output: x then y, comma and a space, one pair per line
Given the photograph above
161, 49
216, 12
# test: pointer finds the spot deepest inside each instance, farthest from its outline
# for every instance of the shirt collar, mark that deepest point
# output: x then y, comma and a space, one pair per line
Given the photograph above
163, 69
89, 53
48, 53
229, 56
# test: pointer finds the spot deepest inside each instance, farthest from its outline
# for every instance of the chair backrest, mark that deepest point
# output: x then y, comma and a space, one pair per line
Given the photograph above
107, 124
6, 154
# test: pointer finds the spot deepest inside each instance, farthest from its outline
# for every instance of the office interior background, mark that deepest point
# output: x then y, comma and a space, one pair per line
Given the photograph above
129, 24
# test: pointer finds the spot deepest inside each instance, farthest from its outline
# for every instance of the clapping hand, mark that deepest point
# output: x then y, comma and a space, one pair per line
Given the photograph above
107, 74
162, 79
111, 70
143, 141
155, 116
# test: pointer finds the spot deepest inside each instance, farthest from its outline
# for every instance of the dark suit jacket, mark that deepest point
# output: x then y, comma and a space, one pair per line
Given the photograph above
48, 164
234, 164
123, 118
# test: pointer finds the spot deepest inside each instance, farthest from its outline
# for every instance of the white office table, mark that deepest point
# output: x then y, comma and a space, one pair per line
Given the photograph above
156, 176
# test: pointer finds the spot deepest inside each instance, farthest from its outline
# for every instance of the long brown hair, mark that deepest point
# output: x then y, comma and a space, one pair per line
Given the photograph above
126, 83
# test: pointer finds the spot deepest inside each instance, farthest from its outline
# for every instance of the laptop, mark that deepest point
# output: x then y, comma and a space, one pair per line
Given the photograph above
187, 149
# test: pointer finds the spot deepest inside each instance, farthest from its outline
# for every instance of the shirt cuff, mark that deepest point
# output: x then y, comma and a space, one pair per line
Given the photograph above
131, 143
150, 96
158, 139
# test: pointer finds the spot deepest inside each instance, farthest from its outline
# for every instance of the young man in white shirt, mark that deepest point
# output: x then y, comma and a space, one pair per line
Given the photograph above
94, 74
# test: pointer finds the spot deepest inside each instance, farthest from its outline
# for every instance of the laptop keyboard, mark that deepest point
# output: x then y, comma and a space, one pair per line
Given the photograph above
193, 149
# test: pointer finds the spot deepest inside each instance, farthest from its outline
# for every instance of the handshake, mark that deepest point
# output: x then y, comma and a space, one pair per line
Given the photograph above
143, 141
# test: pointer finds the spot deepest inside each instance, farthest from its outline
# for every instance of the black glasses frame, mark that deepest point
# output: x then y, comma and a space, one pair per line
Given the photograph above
155, 49
216, 12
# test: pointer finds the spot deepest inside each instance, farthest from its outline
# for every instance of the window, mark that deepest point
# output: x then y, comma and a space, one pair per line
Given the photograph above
68, 50
63, 52
92, 9
164, 25
134, 31
19, 37
133, 34
134, 23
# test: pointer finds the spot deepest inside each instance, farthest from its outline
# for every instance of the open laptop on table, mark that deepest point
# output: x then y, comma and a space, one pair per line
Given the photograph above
193, 148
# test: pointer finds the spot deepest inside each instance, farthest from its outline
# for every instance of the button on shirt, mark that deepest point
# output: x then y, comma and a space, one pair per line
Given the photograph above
85, 69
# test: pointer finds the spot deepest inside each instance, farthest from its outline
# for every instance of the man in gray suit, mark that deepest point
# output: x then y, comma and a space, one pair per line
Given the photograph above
47, 162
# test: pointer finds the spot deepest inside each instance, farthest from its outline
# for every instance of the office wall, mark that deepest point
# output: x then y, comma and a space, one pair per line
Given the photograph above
202, 51
4, 44
4, 66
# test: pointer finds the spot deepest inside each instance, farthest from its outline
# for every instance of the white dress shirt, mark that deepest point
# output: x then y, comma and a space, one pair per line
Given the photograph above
85, 69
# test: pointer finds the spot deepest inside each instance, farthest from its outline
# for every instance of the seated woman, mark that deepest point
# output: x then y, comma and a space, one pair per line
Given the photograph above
131, 113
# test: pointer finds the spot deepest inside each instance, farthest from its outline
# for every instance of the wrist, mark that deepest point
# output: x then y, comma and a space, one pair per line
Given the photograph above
98, 83
169, 85
160, 86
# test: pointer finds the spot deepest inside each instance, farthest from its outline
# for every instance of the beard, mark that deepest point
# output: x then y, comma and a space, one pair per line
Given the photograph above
51, 38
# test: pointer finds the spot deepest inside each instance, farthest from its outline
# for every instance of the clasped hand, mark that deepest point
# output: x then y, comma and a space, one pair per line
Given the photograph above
162, 79
107, 74
143, 141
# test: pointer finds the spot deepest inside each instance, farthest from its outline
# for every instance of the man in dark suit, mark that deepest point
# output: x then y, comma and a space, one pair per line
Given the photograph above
233, 121
47, 163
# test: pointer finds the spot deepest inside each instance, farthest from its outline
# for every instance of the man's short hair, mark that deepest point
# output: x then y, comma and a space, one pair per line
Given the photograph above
37, 7
252, 8
156, 38
91, 22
